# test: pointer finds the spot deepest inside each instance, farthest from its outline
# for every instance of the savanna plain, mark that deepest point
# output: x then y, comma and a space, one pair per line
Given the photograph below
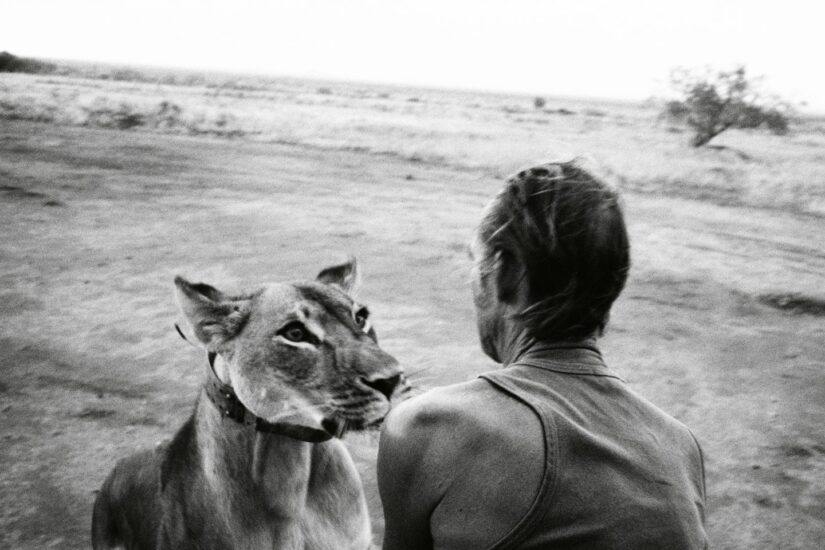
111, 184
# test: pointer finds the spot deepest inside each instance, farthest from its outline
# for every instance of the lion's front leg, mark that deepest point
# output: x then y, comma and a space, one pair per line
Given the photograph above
337, 514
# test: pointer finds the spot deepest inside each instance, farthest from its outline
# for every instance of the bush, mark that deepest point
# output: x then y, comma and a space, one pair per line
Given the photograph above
776, 121
539, 103
12, 64
127, 75
675, 111
711, 104
168, 115
123, 116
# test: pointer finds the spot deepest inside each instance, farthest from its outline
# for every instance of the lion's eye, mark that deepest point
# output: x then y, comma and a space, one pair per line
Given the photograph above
361, 317
295, 332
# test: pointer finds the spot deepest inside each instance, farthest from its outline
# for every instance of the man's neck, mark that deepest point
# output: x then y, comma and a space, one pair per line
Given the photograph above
521, 343
515, 342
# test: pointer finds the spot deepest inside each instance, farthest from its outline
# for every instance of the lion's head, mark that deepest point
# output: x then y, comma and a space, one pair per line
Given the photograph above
302, 352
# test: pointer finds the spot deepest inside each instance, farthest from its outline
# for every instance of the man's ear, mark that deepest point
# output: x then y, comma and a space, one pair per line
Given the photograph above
214, 318
512, 286
346, 275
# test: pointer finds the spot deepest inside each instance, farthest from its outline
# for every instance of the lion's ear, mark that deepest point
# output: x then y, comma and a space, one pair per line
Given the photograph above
214, 318
346, 275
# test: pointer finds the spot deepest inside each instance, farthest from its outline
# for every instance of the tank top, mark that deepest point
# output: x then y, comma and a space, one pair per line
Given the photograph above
618, 471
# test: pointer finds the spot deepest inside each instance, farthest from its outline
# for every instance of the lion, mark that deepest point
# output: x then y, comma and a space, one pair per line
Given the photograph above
260, 464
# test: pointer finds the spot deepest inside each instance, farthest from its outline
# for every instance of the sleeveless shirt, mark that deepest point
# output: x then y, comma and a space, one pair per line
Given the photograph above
618, 471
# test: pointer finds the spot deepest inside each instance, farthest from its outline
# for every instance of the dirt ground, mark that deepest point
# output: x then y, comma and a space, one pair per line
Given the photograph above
95, 224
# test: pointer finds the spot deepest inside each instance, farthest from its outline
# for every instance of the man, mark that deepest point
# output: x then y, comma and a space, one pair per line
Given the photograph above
554, 450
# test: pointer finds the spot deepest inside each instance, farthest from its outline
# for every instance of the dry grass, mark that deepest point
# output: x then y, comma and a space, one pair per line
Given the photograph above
496, 133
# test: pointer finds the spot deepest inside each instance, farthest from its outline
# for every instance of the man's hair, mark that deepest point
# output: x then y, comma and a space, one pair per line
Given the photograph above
566, 228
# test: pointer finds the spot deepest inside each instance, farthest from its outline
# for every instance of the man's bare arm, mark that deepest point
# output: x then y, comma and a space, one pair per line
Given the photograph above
406, 471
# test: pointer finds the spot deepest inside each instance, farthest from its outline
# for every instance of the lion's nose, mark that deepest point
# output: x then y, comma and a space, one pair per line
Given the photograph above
384, 385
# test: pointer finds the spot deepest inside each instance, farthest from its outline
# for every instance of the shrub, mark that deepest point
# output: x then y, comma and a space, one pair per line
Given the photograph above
168, 115
675, 111
12, 64
776, 121
714, 103
105, 115
539, 102
127, 75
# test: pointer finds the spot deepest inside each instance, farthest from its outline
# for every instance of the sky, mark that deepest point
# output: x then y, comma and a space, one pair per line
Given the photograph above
595, 48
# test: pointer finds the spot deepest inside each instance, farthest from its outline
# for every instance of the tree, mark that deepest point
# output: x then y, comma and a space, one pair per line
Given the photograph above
713, 103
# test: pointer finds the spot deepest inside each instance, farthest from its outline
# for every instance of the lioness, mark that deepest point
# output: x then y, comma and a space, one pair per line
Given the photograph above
258, 464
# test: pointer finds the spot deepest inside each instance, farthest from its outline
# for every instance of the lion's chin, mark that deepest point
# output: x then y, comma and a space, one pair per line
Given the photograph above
337, 425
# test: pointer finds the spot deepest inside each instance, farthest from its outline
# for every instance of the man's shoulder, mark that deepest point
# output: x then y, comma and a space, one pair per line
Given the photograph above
465, 447
424, 441
451, 420
465, 405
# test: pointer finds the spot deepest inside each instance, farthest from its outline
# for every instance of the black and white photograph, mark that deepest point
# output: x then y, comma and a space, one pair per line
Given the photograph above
432, 275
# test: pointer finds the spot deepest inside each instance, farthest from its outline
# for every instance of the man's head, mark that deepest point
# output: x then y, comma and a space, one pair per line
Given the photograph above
551, 255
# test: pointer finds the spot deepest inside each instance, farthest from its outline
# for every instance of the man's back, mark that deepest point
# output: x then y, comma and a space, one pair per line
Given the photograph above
553, 451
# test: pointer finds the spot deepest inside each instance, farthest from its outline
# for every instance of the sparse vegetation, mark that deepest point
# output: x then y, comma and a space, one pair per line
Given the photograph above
106, 112
497, 132
713, 103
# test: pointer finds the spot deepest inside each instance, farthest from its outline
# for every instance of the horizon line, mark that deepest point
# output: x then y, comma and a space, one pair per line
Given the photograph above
802, 108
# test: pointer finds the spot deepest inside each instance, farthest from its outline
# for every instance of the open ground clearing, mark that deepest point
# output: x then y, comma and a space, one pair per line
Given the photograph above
96, 222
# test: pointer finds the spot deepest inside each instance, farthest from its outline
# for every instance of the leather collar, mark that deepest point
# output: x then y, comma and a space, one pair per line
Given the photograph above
224, 398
